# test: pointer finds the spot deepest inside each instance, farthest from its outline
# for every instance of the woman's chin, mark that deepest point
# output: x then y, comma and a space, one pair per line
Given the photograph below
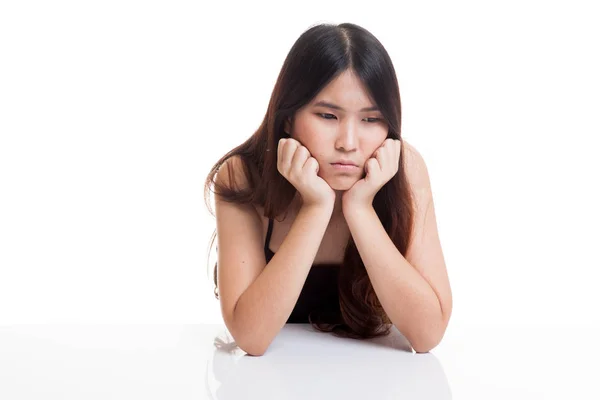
341, 184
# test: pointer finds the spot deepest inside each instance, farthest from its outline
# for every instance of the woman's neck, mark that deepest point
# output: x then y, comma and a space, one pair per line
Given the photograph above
337, 208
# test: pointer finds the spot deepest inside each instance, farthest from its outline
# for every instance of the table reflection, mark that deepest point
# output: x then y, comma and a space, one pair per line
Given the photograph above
303, 363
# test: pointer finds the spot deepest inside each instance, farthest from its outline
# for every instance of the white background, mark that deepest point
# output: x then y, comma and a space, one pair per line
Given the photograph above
112, 113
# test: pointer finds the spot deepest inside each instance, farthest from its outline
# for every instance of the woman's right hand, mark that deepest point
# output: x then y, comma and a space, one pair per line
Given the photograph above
296, 164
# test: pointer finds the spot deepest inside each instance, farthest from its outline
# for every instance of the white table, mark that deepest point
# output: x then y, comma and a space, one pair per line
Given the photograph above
202, 362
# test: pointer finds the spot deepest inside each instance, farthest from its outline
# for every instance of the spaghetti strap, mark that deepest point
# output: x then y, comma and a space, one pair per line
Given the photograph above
268, 238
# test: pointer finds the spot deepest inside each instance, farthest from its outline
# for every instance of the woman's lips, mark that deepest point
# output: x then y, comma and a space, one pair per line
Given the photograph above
344, 167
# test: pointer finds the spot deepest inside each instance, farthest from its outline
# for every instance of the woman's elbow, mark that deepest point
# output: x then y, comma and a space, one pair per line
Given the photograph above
426, 344
253, 351
251, 348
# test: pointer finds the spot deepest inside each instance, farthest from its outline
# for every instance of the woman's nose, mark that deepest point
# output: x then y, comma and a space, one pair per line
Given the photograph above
347, 136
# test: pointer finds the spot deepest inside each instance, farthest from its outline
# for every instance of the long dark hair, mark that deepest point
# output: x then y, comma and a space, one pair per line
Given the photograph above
319, 55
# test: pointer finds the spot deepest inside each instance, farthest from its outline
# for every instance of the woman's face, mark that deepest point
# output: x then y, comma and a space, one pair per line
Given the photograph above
340, 123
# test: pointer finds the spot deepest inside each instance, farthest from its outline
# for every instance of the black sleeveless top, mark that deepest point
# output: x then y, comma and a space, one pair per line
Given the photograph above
319, 294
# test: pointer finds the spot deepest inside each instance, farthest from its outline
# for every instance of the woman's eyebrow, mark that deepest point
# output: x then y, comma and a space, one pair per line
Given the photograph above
336, 107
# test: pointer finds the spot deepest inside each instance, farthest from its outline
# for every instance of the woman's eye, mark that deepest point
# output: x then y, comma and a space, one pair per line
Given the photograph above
331, 116
327, 116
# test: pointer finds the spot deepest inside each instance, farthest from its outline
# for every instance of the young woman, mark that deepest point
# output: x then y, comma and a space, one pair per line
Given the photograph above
325, 215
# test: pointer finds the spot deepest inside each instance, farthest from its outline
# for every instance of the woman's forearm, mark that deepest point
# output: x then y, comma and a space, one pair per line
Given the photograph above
264, 308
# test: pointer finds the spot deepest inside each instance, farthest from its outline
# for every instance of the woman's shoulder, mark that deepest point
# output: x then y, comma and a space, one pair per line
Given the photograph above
232, 173
410, 152
415, 167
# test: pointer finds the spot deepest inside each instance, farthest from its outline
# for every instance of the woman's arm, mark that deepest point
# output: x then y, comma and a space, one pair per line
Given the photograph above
413, 290
257, 299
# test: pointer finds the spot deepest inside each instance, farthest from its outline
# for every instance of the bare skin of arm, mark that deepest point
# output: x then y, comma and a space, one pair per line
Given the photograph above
257, 298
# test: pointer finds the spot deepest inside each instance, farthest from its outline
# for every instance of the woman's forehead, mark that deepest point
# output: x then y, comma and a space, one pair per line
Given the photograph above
345, 93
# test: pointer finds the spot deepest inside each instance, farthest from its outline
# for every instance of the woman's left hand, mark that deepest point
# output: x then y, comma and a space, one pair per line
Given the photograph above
379, 170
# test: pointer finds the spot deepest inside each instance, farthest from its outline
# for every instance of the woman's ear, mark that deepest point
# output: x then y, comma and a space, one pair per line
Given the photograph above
287, 126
